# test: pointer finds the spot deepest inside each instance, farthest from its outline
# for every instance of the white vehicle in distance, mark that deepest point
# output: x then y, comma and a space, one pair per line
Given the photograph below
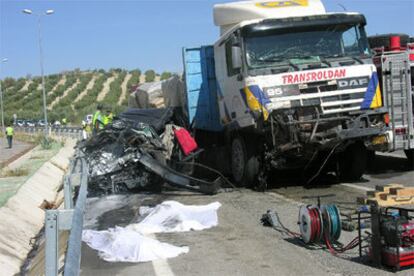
30, 123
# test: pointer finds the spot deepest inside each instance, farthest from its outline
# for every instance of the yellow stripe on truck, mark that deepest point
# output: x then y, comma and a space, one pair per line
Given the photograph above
254, 104
377, 100
282, 4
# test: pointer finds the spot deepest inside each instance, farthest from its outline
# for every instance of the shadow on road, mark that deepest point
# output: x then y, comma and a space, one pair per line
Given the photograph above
382, 167
388, 166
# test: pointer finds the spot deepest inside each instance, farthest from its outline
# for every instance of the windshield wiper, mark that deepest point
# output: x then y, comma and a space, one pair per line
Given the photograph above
324, 61
344, 56
358, 59
282, 61
320, 60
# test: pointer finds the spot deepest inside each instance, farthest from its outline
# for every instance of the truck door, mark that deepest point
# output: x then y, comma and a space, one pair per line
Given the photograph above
396, 84
231, 85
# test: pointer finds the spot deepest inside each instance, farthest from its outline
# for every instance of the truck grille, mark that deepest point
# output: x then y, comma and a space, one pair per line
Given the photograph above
326, 95
318, 87
337, 103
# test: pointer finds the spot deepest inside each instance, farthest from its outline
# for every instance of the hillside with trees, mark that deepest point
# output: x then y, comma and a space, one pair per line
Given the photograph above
72, 94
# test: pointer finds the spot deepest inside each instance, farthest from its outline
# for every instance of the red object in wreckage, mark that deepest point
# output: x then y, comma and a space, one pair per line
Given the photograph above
186, 141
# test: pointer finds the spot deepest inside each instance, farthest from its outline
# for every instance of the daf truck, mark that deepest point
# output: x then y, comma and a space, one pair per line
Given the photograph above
287, 85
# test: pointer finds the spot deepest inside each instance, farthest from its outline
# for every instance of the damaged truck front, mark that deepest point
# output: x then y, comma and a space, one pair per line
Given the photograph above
287, 85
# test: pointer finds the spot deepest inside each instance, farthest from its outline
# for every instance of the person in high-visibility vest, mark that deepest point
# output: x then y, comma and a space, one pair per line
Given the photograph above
97, 120
9, 135
109, 117
64, 121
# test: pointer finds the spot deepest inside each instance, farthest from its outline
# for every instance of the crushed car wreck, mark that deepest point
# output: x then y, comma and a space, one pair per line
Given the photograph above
136, 152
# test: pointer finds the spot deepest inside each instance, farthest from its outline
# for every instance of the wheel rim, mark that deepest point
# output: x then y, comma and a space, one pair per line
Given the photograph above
237, 158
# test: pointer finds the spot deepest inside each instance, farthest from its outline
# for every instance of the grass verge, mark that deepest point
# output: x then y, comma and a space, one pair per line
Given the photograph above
11, 180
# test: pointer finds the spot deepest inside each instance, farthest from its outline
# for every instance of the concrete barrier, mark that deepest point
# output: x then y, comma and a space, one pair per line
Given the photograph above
21, 218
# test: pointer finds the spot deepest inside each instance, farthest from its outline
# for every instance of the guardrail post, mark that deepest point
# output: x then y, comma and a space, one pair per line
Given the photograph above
70, 218
52, 242
67, 192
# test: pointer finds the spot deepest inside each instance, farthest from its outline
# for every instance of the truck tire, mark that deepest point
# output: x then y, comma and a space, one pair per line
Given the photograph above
371, 156
244, 163
352, 162
410, 156
378, 41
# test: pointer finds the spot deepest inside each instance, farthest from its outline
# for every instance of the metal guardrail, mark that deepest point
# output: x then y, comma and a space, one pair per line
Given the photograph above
73, 132
70, 218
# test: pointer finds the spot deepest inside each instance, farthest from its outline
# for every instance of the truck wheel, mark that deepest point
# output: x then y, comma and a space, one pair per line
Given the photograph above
352, 162
371, 155
410, 156
244, 164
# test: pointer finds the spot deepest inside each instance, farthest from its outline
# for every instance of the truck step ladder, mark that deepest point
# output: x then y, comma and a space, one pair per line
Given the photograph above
396, 86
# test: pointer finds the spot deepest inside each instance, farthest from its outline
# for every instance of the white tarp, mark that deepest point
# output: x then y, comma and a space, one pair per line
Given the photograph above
172, 216
124, 245
128, 244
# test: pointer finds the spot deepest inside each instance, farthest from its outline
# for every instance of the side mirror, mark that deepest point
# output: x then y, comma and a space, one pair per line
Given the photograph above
236, 57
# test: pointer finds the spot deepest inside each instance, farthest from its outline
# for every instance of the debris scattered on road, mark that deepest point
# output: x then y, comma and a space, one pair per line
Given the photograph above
271, 219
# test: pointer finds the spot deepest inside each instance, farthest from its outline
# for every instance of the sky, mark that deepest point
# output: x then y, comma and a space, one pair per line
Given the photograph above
90, 34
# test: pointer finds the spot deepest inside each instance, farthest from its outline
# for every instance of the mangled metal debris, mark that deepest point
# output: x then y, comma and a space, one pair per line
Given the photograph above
130, 155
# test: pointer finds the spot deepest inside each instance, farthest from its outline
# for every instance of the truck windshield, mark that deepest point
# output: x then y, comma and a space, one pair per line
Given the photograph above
305, 46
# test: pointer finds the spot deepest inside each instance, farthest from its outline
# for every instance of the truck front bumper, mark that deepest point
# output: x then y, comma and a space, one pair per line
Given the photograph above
326, 132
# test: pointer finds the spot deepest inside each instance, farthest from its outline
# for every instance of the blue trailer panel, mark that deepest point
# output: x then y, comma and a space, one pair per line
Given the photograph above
201, 88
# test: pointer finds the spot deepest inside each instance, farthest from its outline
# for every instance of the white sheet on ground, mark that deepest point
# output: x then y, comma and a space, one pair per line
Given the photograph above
128, 244
123, 245
172, 216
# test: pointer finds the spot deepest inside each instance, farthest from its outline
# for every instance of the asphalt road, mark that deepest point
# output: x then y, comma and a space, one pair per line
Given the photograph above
240, 245
384, 169
7, 154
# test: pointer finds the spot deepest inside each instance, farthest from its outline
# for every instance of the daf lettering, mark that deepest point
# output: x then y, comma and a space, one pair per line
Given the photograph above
353, 83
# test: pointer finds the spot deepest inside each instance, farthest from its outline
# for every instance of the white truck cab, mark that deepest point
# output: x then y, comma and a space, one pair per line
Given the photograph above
282, 54
295, 87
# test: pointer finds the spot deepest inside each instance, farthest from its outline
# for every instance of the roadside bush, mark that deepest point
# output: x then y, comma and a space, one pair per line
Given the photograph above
46, 143
14, 173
